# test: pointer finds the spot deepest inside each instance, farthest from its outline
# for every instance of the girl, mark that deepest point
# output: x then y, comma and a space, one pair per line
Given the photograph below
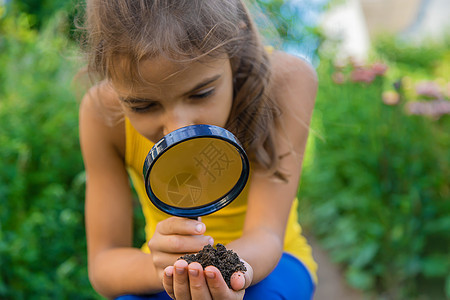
164, 64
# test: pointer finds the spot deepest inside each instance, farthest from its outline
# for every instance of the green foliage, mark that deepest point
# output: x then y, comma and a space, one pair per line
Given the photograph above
423, 56
42, 238
42, 182
41, 11
376, 185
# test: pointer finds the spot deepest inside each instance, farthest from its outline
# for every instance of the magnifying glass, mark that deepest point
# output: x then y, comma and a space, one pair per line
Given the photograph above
195, 171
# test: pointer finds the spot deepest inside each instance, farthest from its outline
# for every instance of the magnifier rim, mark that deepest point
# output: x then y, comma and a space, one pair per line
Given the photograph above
185, 134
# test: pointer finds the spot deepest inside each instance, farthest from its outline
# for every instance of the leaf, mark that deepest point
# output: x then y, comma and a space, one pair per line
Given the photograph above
440, 225
436, 266
447, 286
359, 279
365, 255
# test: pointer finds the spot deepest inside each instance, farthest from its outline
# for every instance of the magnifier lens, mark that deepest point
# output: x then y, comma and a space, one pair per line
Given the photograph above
195, 170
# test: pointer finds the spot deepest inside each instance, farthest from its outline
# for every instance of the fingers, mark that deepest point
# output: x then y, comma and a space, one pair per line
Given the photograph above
180, 226
179, 235
237, 281
217, 286
176, 281
248, 275
174, 237
240, 280
198, 287
168, 281
180, 243
186, 282
183, 281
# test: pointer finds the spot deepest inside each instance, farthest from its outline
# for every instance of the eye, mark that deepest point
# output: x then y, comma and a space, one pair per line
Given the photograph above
203, 94
142, 109
139, 106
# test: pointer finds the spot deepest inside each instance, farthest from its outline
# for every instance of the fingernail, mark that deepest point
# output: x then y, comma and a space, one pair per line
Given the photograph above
168, 274
238, 280
210, 275
193, 272
199, 227
179, 270
211, 241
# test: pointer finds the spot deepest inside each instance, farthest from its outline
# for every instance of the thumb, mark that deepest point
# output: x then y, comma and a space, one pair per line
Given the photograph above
237, 281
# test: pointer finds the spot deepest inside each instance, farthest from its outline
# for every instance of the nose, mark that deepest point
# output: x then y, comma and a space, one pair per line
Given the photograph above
177, 118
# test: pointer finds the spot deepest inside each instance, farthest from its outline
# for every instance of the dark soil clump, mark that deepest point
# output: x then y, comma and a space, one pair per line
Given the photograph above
225, 260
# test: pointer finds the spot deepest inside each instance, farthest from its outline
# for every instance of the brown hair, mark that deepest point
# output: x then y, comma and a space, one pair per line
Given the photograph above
186, 30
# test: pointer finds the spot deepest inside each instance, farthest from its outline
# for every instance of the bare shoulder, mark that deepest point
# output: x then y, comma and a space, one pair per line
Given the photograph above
101, 119
285, 65
294, 88
294, 80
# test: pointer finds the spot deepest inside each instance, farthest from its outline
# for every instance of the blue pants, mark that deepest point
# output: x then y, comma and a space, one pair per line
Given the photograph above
290, 280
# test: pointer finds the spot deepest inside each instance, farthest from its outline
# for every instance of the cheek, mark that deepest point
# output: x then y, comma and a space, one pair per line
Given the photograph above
145, 126
220, 111
225, 102
227, 107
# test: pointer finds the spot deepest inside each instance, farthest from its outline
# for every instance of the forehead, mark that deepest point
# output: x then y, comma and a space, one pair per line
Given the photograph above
162, 72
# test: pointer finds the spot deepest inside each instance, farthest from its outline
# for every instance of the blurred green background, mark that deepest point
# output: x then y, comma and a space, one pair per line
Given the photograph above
375, 186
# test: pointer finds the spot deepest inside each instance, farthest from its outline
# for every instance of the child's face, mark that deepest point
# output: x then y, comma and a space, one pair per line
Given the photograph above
176, 95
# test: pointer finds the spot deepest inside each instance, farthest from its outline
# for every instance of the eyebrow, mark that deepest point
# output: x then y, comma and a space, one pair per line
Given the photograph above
207, 81
135, 100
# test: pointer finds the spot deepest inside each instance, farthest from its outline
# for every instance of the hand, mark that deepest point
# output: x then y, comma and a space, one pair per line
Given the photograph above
182, 281
175, 237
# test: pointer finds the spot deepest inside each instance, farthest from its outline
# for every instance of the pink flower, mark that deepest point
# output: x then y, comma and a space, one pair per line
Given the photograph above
338, 77
390, 98
434, 108
362, 75
379, 68
429, 89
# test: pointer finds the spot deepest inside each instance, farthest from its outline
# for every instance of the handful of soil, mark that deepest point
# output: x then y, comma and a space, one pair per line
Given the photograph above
225, 260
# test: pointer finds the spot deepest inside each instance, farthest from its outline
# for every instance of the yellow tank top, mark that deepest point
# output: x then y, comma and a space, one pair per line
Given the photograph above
224, 225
